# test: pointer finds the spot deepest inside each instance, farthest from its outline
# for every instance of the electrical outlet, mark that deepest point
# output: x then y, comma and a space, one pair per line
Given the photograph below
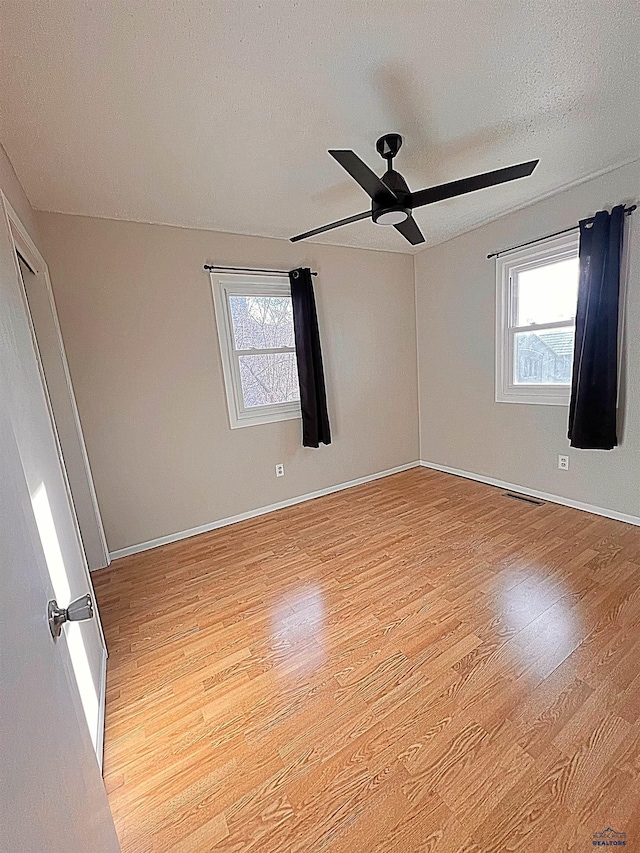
280, 470
563, 463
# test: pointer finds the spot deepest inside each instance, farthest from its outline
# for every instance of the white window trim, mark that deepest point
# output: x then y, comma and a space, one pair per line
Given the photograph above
553, 249
224, 285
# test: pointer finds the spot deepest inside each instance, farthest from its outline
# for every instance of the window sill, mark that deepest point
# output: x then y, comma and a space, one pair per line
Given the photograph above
534, 399
264, 418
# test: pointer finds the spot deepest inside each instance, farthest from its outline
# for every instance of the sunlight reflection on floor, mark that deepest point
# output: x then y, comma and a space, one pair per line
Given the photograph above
298, 629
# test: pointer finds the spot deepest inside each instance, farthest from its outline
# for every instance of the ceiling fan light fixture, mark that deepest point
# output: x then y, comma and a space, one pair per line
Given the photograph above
393, 216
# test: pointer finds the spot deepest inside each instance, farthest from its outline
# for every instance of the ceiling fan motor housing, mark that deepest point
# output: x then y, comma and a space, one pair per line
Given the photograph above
396, 207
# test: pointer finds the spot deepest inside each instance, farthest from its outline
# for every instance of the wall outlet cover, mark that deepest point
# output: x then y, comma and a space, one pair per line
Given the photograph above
563, 463
280, 470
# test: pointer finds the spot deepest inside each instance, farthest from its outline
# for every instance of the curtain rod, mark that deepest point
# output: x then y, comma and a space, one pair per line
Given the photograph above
627, 211
211, 268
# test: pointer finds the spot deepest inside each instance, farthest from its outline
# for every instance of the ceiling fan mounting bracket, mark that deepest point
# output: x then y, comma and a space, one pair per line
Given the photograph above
388, 146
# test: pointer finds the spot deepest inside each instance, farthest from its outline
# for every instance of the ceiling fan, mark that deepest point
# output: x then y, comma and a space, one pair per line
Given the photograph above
392, 202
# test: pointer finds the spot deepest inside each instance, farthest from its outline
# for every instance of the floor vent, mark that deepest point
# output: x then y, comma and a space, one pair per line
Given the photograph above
523, 499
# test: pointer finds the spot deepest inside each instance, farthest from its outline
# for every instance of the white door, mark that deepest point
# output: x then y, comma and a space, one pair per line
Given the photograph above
25, 399
52, 797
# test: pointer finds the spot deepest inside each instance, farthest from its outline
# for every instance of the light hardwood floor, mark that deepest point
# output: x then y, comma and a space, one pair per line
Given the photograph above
416, 664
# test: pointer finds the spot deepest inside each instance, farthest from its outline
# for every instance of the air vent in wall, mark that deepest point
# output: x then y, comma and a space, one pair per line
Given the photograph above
523, 499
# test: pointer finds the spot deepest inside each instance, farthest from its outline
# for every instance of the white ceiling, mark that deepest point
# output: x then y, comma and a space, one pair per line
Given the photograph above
219, 114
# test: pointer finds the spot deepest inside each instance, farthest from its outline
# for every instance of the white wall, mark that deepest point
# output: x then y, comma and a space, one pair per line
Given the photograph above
137, 320
461, 425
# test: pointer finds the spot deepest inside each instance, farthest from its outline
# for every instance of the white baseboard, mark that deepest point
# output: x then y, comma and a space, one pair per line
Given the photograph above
243, 516
534, 493
490, 481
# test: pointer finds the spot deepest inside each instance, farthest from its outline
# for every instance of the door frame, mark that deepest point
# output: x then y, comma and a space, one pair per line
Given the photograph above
24, 245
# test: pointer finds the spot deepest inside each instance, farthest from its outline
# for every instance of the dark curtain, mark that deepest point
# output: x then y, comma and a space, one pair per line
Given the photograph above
313, 398
594, 388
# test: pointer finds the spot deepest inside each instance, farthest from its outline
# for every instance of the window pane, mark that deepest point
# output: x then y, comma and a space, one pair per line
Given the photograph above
270, 378
544, 357
547, 294
262, 322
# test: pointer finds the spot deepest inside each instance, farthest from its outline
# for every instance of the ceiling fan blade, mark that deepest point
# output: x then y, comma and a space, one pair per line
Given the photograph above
410, 231
356, 218
361, 173
469, 185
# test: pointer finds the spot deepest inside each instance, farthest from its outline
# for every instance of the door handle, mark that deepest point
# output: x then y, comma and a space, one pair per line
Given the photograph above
78, 611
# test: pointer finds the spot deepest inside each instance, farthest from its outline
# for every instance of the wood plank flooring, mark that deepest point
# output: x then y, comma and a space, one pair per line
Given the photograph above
416, 664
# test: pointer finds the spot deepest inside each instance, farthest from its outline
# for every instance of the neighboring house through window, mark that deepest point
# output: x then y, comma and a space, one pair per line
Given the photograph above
537, 293
254, 317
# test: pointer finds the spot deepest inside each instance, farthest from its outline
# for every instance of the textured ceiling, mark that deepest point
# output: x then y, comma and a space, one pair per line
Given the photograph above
219, 114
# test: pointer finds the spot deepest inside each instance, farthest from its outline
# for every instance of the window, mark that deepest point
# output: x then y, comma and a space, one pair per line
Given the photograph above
254, 316
537, 294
